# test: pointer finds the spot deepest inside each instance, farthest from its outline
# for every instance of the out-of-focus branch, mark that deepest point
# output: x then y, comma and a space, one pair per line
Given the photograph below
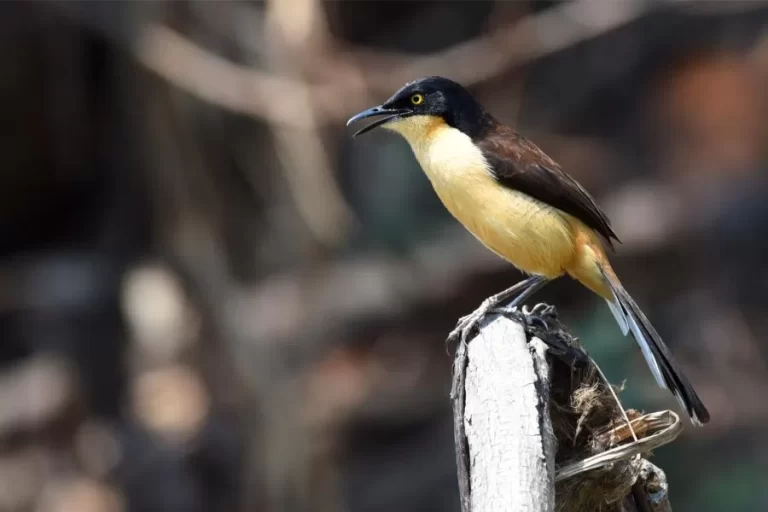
231, 86
300, 149
513, 45
35, 393
245, 90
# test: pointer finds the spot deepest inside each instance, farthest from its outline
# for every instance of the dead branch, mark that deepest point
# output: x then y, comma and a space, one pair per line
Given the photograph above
506, 422
537, 429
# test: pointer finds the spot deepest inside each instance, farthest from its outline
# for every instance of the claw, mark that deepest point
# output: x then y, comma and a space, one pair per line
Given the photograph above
547, 309
513, 312
466, 324
536, 319
542, 309
535, 316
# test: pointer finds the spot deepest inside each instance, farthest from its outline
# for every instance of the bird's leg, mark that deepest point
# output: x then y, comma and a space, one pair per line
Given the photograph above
523, 290
536, 284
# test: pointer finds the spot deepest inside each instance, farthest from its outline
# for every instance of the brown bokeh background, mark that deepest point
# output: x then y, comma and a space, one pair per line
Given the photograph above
213, 299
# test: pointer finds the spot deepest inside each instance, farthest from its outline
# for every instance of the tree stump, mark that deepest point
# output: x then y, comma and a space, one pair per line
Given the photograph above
538, 429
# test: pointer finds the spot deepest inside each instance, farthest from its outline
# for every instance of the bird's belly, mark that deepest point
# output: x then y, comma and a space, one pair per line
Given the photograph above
534, 237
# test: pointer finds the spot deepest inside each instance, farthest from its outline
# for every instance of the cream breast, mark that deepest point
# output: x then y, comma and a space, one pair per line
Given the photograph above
528, 233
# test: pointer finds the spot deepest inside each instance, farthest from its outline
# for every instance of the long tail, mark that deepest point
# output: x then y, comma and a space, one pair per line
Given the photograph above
659, 358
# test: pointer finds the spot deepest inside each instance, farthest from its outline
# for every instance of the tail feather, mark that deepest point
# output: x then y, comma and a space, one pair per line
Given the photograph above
658, 356
618, 314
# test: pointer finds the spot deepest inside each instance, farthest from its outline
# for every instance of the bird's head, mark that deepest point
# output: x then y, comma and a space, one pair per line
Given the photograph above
424, 104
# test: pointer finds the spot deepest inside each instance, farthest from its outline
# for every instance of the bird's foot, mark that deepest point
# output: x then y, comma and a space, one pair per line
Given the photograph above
541, 314
538, 316
462, 333
521, 291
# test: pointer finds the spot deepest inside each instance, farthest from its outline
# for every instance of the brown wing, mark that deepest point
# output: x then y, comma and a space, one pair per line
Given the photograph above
517, 163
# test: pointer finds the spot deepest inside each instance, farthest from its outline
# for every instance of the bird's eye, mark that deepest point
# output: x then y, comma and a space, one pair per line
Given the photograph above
417, 99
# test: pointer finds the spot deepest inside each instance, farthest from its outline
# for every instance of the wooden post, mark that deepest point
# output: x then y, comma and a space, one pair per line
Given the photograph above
509, 389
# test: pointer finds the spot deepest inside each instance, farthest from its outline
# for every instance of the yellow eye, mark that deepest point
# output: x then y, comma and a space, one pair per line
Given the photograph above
417, 99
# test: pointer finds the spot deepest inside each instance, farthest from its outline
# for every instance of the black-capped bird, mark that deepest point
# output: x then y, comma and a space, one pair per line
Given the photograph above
522, 206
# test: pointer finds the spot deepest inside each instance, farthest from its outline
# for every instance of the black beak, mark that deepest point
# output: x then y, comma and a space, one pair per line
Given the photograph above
390, 114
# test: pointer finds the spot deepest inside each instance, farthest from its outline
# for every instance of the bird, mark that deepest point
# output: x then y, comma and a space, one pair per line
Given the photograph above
521, 205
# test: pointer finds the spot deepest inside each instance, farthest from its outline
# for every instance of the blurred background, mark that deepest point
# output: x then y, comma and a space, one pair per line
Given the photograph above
213, 299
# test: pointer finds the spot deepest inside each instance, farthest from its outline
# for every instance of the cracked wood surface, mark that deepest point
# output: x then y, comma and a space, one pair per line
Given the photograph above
506, 421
